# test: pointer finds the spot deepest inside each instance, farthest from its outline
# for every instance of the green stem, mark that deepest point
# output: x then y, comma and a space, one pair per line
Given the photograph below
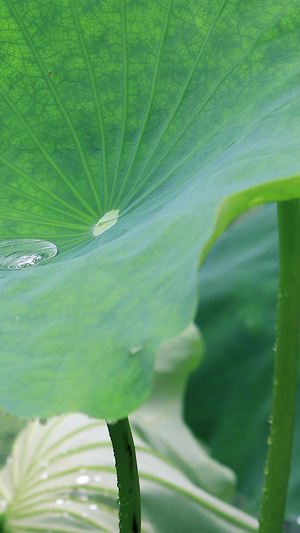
128, 478
285, 375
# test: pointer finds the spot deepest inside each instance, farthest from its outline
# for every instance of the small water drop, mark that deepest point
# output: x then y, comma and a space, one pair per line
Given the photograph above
111, 422
17, 254
60, 501
93, 507
97, 479
136, 349
298, 520
83, 479
45, 475
3, 503
269, 440
107, 221
9, 460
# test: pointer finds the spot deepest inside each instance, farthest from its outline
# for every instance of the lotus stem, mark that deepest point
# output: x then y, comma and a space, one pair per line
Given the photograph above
286, 369
127, 474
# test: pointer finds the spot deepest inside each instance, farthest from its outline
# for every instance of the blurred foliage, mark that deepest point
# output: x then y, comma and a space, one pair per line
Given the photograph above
10, 426
228, 399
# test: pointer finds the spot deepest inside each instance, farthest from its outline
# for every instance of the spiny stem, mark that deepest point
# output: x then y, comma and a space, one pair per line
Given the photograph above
285, 374
128, 478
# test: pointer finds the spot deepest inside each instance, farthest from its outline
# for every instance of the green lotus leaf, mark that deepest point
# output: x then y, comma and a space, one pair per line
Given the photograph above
178, 116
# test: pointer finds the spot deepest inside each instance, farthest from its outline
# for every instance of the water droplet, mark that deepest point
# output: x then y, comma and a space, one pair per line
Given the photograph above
84, 514
266, 471
107, 221
298, 520
136, 349
3, 503
17, 254
60, 501
269, 440
83, 479
93, 507
97, 479
45, 475
9, 460
112, 422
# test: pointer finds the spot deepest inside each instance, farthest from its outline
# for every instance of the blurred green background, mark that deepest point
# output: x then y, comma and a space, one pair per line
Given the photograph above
228, 399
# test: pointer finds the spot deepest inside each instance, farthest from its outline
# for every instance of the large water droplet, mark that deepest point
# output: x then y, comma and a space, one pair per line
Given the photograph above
17, 254
83, 480
60, 501
107, 221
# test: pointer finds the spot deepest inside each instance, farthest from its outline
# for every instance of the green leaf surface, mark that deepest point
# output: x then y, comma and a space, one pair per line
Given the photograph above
238, 283
61, 477
179, 115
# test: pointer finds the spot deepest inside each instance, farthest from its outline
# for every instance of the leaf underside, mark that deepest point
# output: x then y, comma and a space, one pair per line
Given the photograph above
55, 481
180, 116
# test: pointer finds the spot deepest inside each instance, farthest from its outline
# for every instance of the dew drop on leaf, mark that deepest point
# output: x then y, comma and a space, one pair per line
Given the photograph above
60, 501
18, 254
83, 479
107, 221
136, 349
97, 479
93, 507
